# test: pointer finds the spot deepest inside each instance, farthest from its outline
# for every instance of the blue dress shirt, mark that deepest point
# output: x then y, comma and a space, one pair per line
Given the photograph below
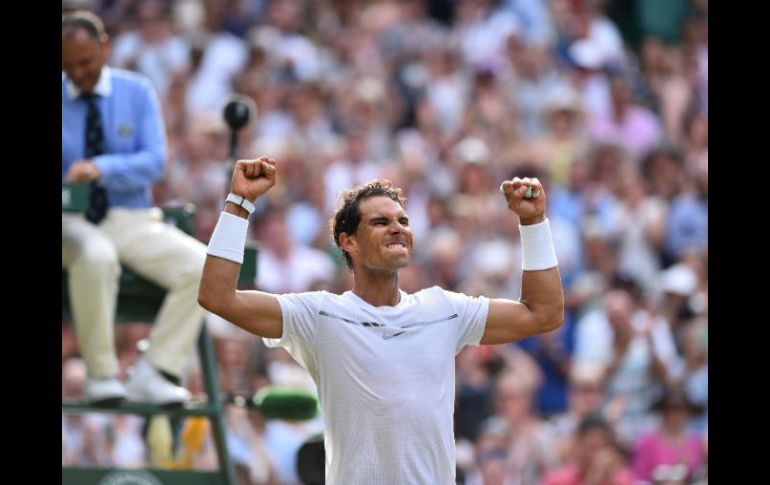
134, 135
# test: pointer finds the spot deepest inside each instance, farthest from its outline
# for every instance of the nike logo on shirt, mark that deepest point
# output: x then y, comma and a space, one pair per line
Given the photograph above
388, 337
398, 330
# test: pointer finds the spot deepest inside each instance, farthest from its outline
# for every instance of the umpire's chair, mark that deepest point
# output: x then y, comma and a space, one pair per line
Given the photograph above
139, 301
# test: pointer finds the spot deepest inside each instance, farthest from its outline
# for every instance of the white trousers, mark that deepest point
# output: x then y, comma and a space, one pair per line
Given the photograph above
163, 254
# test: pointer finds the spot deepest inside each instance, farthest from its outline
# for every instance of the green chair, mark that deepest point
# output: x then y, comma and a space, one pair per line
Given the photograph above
139, 301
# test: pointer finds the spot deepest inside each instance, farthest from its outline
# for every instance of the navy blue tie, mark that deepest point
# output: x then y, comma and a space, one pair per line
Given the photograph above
97, 203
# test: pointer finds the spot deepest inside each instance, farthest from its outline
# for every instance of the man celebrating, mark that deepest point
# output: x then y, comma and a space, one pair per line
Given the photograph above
383, 360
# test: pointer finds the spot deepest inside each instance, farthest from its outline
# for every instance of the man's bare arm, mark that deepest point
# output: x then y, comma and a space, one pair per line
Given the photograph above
254, 311
541, 308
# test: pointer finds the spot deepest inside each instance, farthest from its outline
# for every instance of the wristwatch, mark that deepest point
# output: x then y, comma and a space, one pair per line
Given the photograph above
241, 202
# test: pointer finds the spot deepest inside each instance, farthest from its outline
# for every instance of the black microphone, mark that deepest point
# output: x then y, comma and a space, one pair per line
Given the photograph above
239, 109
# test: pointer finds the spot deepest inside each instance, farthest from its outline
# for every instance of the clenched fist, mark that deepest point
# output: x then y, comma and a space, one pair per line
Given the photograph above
252, 178
526, 197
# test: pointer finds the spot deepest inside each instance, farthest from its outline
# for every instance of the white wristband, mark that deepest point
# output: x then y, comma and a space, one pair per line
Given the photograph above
537, 247
229, 237
241, 201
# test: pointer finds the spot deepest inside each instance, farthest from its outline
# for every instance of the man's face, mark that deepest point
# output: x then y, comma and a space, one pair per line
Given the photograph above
383, 240
82, 58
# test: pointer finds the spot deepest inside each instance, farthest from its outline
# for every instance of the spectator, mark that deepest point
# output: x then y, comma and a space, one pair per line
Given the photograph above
597, 458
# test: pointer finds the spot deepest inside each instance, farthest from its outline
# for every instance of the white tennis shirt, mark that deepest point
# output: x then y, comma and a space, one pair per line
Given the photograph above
386, 379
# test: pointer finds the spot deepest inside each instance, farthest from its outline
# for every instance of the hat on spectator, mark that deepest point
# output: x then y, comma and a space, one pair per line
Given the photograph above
679, 279
562, 98
586, 54
471, 150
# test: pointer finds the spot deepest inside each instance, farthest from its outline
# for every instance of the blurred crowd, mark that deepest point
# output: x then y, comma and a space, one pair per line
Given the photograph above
606, 102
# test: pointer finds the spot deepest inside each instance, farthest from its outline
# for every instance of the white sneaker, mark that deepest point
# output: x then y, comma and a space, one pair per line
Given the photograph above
147, 385
105, 391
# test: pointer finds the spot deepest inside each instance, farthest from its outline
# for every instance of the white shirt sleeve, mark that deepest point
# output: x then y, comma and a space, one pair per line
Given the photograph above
299, 312
472, 317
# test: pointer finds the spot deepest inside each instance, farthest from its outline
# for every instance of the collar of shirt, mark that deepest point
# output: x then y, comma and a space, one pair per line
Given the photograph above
103, 86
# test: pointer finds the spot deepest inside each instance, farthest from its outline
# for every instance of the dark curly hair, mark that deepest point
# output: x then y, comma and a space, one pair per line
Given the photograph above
348, 216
